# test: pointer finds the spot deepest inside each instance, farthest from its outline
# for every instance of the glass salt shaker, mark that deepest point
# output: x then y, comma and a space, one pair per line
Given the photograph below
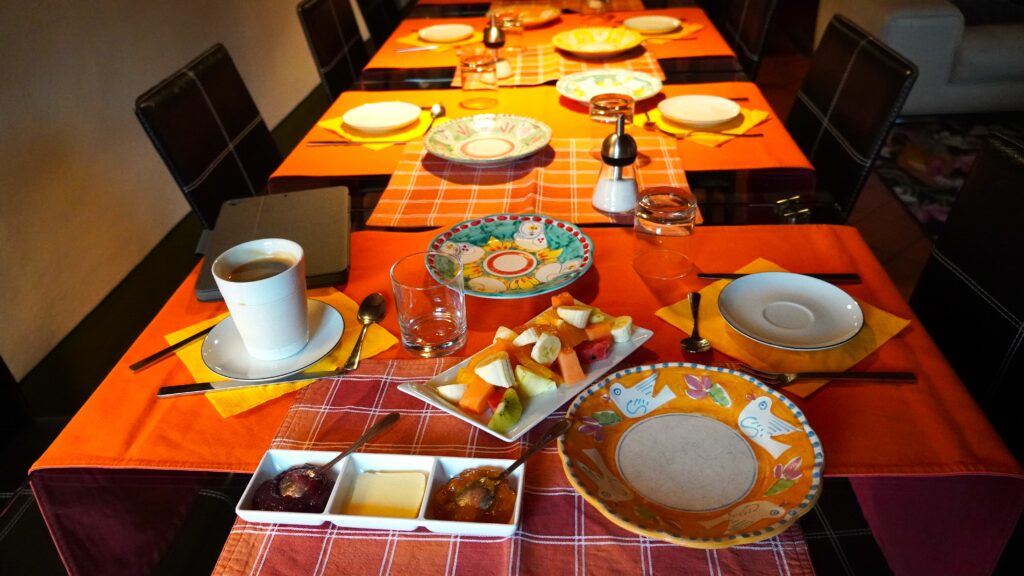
616, 188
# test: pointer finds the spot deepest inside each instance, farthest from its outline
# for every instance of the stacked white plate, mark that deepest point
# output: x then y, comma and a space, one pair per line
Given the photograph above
381, 117
698, 110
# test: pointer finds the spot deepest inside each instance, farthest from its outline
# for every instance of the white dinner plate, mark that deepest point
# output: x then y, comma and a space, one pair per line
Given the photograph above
698, 110
380, 117
445, 33
652, 24
225, 354
537, 408
790, 311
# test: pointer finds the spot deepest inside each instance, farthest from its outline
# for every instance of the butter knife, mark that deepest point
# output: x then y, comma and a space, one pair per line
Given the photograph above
835, 278
202, 387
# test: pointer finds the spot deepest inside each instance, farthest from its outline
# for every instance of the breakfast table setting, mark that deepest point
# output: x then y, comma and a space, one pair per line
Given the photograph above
540, 358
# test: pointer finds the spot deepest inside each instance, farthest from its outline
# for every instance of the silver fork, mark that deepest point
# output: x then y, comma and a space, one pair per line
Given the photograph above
784, 378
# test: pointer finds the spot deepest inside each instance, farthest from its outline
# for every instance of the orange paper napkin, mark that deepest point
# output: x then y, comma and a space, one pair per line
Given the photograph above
714, 135
231, 402
879, 327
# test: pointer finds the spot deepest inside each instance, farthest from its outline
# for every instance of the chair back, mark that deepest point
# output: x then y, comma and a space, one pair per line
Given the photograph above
852, 93
381, 17
207, 129
968, 296
338, 49
745, 27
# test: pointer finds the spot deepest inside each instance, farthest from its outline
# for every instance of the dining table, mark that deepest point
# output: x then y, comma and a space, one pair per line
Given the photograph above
119, 485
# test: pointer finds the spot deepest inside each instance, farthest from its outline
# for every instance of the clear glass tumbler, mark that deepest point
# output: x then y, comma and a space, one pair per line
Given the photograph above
478, 73
663, 227
512, 24
430, 302
604, 112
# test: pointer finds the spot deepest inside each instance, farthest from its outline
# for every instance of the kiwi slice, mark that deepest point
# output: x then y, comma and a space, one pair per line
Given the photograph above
509, 411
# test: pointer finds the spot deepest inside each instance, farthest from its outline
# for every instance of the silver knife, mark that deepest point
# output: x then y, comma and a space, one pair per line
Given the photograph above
416, 49
202, 387
835, 278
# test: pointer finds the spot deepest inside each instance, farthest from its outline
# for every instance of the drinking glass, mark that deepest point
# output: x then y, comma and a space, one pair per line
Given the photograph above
512, 24
604, 112
663, 228
430, 302
478, 72
590, 8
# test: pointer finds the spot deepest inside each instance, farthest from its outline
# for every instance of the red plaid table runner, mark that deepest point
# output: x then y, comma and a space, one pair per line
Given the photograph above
559, 533
535, 65
557, 181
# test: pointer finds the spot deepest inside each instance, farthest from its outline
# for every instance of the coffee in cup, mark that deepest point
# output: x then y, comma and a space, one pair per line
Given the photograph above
263, 283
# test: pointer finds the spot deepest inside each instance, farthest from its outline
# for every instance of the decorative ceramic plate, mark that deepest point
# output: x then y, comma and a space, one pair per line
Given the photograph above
700, 456
517, 255
597, 42
486, 139
537, 408
582, 86
534, 15
698, 110
224, 353
790, 311
445, 33
652, 24
380, 117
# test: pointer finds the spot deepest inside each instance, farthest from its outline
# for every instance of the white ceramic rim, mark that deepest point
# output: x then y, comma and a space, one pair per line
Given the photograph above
390, 115
642, 24
445, 33
726, 109
562, 85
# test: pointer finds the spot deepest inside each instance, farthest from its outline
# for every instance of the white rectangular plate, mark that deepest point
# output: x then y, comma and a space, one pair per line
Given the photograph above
537, 408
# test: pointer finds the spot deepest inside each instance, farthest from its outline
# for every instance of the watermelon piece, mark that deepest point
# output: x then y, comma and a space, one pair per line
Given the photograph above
594, 350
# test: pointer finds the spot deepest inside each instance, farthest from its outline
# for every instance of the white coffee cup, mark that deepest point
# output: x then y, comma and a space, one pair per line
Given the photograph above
263, 283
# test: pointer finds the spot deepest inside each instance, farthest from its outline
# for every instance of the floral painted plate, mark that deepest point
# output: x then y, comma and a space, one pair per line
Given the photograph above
517, 255
582, 86
487, 139
696, 455
597, 42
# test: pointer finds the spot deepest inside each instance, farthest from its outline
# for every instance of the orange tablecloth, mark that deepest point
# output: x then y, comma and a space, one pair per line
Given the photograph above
933, 427
566, 117
704, 43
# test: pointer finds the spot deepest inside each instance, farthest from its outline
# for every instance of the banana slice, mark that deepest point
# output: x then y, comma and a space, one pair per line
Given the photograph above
496, 370
546, 349
575, 315
622, 329
503, 333
529, 336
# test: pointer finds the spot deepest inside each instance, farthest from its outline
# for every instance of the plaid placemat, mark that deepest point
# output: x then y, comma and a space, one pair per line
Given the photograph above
558, 181
559, 532
535, 65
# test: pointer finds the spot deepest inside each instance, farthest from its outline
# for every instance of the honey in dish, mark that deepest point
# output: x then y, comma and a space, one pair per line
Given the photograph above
259, 269
443, 504
392, 494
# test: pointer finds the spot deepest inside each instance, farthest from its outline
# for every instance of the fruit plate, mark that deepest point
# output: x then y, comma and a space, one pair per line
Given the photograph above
597, 42
536, 409
516, 255
582, 86
700, 456
487, 139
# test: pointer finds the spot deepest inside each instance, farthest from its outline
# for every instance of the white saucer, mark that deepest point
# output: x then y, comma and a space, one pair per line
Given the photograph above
790, 311
380, 117
445, 33
699, 110
224, 353
652, 24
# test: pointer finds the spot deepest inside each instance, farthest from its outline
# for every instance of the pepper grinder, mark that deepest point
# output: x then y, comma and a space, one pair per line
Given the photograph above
616, 188
494, 38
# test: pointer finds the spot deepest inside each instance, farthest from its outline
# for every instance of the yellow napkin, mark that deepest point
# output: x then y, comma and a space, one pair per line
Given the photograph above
879, 327
746, 120
684, 30
415, 130
414, 40
231, 402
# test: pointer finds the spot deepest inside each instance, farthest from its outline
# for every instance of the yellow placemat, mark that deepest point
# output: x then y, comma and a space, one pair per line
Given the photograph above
746, 120
414, 40
879, 327
416, 130
231, 402
684, 31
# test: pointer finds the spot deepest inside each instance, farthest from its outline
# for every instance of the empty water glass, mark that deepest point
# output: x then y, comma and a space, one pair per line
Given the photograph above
430, 302
663, 228
478, 72
605, 110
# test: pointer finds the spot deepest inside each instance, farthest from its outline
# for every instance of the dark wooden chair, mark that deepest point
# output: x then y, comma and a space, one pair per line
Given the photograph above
745, 25
338, 49
381, 17
968, 296
207, 129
